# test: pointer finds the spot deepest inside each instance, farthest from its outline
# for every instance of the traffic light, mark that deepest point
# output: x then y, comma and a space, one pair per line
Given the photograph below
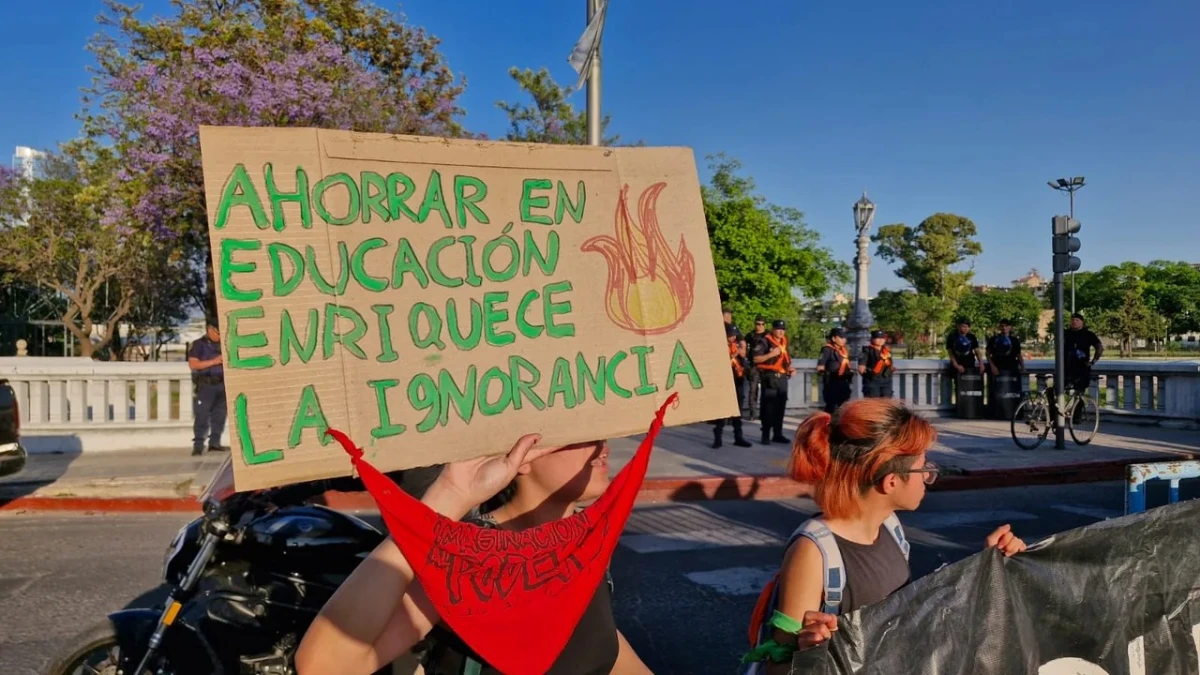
1065, 244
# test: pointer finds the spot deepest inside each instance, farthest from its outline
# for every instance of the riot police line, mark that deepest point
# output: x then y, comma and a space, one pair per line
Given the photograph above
762, 369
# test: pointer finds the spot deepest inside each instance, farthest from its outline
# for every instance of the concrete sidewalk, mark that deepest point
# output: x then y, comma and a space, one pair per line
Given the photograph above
973, 454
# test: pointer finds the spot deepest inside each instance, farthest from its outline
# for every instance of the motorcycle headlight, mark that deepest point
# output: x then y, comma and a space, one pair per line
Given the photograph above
174, 549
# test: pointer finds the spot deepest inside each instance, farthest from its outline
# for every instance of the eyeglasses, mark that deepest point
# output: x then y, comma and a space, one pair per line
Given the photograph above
930, 470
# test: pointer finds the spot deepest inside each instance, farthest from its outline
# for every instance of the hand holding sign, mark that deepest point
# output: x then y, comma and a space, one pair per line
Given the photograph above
1004, 539
468, 483
818, 627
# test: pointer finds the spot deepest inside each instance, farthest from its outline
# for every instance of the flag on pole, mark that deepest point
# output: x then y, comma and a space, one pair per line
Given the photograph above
589, 43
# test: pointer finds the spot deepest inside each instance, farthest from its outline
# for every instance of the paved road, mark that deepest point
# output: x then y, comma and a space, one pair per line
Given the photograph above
686, 574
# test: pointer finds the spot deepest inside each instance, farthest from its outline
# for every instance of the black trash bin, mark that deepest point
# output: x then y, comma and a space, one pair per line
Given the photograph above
969, 395
1005, 394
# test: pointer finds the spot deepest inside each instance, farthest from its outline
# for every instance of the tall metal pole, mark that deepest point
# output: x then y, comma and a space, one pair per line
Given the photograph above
593, 87
1060, 370
1072, 193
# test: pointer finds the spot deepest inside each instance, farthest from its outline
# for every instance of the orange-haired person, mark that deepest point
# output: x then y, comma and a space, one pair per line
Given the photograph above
866, 462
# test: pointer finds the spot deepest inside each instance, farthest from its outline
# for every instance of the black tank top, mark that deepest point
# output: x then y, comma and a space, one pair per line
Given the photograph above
873, 571
591, 650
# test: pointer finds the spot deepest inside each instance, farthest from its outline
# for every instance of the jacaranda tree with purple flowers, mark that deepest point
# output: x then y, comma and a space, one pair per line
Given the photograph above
339, 64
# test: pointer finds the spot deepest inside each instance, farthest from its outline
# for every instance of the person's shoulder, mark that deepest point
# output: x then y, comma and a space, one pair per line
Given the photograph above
803, 561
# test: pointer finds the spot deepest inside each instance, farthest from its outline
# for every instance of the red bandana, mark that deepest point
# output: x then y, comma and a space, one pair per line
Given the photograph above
514, 597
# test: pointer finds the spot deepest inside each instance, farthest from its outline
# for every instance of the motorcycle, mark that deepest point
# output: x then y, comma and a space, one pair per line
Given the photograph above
246, 579
12, 454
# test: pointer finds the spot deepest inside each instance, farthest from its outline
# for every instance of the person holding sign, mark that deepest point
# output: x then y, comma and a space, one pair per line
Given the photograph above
380, 613
834, 362
866, 461
774, 366
737, 361
875, 366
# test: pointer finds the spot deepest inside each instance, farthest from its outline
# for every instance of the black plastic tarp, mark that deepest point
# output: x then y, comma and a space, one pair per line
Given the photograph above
1121, 597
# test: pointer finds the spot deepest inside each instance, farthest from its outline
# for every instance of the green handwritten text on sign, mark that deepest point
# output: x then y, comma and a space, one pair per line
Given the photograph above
433, 298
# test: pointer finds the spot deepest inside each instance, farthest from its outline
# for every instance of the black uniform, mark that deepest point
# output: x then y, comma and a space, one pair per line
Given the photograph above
774, 375
1004, 352
208, 400
1077, 357
752, 374
962, 348
738, 363
877, 379
835, 361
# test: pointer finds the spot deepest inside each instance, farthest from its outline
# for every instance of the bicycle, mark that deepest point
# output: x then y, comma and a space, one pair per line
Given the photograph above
1034, 416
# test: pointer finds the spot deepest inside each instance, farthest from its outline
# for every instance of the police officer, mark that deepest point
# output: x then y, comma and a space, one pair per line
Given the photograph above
737, 361
963, 347
752, 377
1004, 358
1078, 345
834, 363
1004, 351
208, 378
774, 366
875, 366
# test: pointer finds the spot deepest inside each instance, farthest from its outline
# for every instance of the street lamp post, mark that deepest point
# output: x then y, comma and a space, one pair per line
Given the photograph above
1069, 186
859, 334
593, 84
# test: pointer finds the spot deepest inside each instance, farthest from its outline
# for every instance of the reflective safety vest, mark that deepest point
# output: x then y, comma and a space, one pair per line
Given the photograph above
736, 361
884, 362
840, 351
781, 363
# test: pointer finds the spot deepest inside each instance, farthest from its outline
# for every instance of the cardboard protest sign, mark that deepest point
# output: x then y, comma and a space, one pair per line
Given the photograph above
437, 298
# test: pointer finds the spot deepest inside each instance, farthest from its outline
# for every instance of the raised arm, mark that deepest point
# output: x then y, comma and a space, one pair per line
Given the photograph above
378, 613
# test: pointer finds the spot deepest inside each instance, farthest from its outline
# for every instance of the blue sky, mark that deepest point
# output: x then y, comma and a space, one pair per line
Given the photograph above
967, 107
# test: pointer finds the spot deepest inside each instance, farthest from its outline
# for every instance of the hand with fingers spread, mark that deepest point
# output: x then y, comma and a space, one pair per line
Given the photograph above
1004, 539
818, 627
471, 482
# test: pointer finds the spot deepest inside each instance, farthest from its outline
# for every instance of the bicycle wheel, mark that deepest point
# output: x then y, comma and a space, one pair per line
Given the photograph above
1084, 420
1030, 424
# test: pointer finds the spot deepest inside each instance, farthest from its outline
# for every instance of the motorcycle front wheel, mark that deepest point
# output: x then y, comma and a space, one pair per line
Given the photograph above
99, 652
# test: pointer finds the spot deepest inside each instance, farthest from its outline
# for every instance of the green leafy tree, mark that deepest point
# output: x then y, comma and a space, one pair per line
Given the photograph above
986, 308
894, 312
549, 117
52, 235
1173, 290
767, 260
928, 253
1124, 313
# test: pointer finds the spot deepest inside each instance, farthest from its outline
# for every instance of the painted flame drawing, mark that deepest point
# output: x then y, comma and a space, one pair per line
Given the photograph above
650, 288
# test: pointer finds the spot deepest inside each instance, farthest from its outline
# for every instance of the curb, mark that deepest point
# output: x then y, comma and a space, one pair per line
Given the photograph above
654, 490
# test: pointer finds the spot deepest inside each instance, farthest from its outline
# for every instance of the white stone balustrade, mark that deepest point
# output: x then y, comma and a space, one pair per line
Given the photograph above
1142, 391
76, 405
